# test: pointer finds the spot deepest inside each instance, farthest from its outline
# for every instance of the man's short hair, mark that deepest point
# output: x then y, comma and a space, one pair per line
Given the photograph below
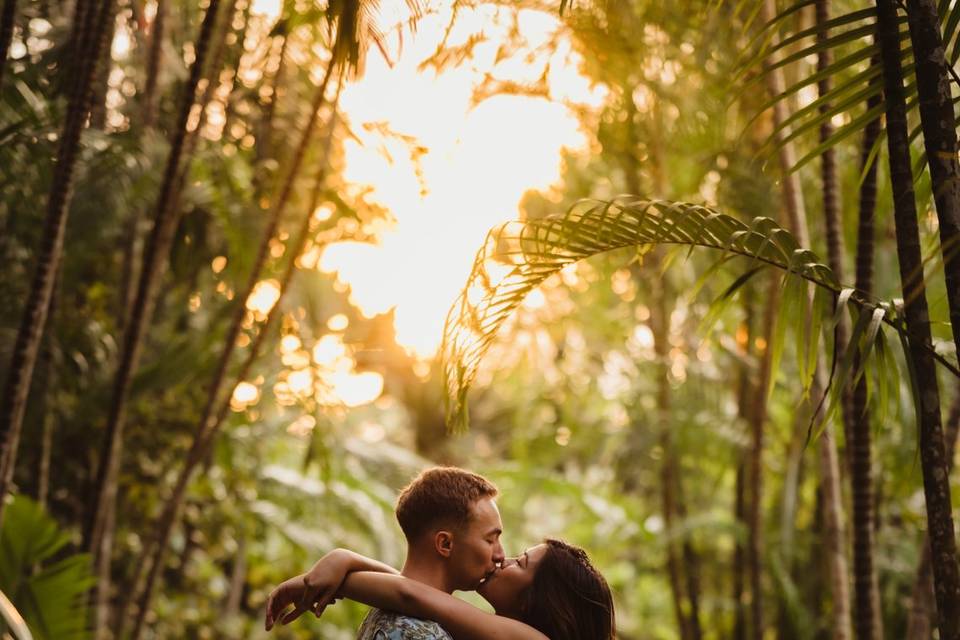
441, 495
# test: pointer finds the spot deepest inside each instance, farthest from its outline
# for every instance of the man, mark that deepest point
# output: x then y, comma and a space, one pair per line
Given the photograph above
452, 526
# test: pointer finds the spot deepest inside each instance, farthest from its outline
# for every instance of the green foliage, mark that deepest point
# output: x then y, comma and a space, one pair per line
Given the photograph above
518, 256
48, 587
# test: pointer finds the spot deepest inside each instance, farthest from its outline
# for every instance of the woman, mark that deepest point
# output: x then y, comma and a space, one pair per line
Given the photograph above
550, 591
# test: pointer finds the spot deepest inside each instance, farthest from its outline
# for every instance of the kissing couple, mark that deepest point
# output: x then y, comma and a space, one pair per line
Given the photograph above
450, 520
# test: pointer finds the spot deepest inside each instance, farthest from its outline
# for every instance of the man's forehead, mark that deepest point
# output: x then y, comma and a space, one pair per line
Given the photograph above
484, 513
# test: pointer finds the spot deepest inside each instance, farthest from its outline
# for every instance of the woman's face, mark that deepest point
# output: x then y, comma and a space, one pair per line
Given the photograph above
506, 587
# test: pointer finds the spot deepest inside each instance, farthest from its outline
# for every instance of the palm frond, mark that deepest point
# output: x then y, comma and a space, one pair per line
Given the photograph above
856, 80
518, 256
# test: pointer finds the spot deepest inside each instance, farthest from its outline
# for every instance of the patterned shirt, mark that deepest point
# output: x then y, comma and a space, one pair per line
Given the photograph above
387, 625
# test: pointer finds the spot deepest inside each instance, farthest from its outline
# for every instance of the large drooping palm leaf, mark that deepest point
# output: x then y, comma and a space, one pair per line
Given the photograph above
518, 256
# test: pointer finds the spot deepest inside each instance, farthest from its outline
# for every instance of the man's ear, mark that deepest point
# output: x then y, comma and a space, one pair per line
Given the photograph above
443, 542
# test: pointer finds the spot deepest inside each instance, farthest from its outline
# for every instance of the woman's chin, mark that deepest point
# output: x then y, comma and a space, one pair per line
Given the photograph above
484, 591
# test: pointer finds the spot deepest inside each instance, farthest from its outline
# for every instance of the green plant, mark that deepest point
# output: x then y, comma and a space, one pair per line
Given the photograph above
47, 584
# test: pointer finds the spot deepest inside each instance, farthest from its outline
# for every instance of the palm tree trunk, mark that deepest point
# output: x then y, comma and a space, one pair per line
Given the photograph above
153, 65
739, 553
940, 142
922, 605
682, 564
97, 532
834, 538
927, 395
668, 506
829, 465
745, 393
229, 107
832, 209
265, 140
49, 378
206, 430
758, 418
238, 576
129, 269
33, 320
868, 618
6, 32
101, 75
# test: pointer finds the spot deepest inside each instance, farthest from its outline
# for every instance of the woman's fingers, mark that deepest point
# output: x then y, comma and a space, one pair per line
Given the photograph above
293, 615
323, 600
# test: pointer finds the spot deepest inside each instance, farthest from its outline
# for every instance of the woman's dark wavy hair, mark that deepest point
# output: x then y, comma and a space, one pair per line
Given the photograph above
569, 599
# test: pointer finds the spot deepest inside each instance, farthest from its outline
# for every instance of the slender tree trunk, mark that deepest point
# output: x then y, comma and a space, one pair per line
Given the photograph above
206, 429
265, 140
834, 538
868, 619
154, 263
228, 108
922, 604
238, 577
940, 142
758, 418
49, 255
745, 395
49, 403
691, 563
827, 455
129, 266
932, 454
831, 203
682, 582
7, 17
97, 533
739, 513
154, 55
101, 75
668, 505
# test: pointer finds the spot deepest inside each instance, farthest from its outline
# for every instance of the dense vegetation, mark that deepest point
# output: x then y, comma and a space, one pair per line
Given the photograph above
736, 385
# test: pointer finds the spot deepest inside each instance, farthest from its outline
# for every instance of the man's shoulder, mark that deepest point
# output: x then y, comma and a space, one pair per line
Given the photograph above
387, 625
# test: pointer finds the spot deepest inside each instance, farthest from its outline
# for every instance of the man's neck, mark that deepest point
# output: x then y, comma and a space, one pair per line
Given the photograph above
429, 571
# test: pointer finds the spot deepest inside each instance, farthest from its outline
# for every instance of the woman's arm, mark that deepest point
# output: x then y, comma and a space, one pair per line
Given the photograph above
338, 563
462, 620
317, 588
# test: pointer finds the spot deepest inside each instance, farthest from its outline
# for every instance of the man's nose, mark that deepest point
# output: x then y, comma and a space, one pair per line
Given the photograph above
498, 554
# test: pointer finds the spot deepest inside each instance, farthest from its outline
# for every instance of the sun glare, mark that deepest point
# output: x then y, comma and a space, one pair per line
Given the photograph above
268, 8
356, 389
479, 161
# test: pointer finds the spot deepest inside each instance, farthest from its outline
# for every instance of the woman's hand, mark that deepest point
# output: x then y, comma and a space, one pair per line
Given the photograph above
313, 590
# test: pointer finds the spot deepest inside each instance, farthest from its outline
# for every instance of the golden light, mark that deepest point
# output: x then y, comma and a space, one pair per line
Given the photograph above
296, 359
268, 8
323, 212
302, 426
534, 300
356, 389
328, 350
244, 395
264, 295
338, 322
218, 264
479, 160
300, 382
289, 343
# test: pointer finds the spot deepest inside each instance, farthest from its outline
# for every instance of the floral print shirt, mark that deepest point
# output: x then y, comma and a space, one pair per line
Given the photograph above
387, 625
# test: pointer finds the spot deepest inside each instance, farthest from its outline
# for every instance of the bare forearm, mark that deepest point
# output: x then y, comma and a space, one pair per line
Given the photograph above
409, 597
387, 591
352, 561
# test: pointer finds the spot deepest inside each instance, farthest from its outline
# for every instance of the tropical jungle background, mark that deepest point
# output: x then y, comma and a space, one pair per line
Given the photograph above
681, 278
